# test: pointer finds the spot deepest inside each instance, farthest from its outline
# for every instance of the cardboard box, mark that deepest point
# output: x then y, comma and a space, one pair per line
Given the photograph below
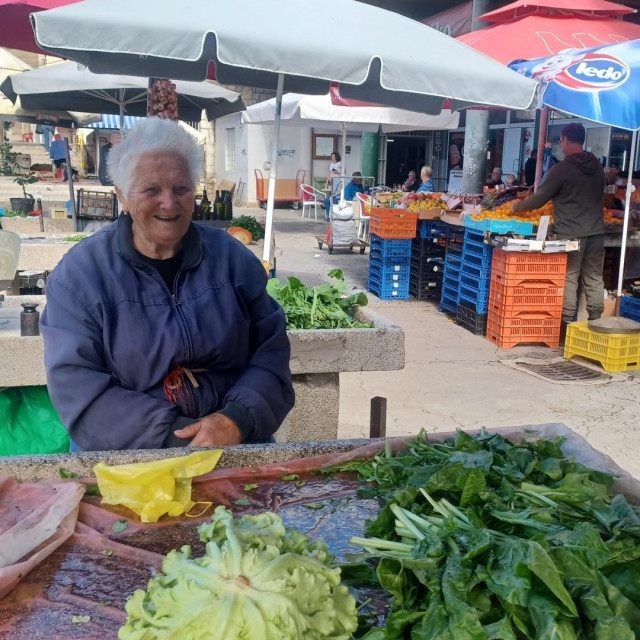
452, 217
430, 214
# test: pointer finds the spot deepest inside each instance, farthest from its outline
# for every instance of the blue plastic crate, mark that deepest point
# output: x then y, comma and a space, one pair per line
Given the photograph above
499, 226
481, 286
630, 308
474, 245
477, 274
448, 299
390, 270
391, 263
390, 248
479, 298
452, 272
432, 229
388, 292
483, 262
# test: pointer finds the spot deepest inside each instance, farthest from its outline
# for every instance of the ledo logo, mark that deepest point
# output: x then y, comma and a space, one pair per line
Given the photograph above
594, 71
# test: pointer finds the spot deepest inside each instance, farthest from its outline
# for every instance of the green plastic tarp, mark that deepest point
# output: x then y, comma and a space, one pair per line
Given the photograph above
29, 424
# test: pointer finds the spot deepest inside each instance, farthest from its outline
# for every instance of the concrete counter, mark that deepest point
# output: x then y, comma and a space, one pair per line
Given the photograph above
317, 359
46, 467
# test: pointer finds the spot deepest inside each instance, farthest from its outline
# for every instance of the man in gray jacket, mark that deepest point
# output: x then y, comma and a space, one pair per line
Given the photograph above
576, 187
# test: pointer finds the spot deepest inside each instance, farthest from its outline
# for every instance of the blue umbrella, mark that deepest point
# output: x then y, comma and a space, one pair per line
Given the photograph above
601, 84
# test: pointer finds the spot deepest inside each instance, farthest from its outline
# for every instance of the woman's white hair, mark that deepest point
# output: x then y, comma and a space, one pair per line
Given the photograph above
152, 135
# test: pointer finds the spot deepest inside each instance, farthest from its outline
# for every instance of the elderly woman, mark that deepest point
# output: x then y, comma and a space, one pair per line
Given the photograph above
159, 332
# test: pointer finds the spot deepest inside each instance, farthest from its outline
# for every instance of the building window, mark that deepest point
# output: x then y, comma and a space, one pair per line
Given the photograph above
230, 150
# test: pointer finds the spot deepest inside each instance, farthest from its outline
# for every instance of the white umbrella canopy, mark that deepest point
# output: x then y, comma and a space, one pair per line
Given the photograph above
373, 55
69, 86
300, 110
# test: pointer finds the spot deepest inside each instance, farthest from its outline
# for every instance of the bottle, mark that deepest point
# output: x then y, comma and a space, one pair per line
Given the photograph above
197, 210
228, 205
29, 320
205, 206
218, 206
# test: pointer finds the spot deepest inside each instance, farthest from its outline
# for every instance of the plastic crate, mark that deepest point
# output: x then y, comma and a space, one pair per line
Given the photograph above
97, 205
455, 239
479, 298
630, 308
527, 296
426, 288
391, 274
448, 299
499, 226
479, 274
428, 247
432, 230
614, 351
424, 267
470, 319
513, 267
393, 223
524, 327
390, 248
392, 291
474, 245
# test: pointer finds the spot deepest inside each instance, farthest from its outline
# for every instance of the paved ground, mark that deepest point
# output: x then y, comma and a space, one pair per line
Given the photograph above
451, 379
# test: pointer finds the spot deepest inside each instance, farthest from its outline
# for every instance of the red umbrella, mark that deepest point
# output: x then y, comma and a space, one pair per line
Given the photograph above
16, 31
522, 8
538, 36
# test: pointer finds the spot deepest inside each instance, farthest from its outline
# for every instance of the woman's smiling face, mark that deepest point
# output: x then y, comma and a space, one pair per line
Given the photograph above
160, 203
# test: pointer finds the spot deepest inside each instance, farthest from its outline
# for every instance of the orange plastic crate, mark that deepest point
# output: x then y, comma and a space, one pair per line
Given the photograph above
525, 327
533, 295
513, 267
393, 223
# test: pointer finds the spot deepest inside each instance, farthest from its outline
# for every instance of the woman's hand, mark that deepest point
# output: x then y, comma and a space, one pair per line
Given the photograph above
214, 430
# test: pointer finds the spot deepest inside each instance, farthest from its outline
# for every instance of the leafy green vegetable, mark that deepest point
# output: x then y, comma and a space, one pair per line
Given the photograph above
256, 580
251, 487
76, 238
481, 538
313, 505
63, 473
323, 307
106, 552
250, 224
119, 525
242, 502
291, 477
80, 619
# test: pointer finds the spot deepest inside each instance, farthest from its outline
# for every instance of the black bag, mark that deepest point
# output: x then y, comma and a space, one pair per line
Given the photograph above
39, 128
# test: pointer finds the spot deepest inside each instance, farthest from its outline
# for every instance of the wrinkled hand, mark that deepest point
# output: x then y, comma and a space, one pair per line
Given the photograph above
214, 430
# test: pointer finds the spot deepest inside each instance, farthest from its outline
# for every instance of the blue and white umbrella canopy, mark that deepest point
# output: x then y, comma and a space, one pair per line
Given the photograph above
601, 84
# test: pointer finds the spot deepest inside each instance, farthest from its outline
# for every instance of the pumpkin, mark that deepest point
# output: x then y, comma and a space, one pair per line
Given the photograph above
243, 235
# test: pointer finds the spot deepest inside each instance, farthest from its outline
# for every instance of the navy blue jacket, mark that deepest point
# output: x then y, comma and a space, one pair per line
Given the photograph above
112, 332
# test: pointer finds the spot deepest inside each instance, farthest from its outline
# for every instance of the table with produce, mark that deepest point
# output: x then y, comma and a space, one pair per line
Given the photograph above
507, 534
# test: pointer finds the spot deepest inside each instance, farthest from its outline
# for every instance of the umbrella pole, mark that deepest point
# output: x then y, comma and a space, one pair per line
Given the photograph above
67, 159
627, 207
542, 138
121, 107
344, 158
273, 173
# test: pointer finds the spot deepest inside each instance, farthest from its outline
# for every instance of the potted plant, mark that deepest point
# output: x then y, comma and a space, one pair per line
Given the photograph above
23, 178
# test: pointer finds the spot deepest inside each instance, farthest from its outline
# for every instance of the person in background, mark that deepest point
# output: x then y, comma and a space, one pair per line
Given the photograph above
576, 187
510, 181
129, 317
57, 151
427, 184
530, 170
355, 186
335, 170
47, 134
411, 183
114, 140
495, 181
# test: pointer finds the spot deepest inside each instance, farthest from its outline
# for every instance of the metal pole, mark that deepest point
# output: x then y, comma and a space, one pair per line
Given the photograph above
273, 173
344, 158
67, 159
542, 139
627, 207
121, 106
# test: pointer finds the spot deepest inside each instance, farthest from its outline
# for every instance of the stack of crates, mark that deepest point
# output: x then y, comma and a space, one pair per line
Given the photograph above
451, 277
525, 302
475, 279
427, 259
389, 268
630, 308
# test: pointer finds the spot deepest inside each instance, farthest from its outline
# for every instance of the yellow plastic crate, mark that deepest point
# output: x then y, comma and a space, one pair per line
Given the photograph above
614, 351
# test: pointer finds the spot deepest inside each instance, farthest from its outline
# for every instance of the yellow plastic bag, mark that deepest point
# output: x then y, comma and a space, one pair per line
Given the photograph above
152, 489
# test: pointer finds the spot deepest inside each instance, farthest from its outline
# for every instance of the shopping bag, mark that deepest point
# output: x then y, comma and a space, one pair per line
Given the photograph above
152, 489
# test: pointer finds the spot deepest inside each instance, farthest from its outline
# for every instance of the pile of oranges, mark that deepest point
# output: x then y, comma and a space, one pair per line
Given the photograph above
504, 212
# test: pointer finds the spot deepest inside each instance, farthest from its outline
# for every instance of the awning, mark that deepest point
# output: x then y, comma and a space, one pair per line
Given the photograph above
110, 121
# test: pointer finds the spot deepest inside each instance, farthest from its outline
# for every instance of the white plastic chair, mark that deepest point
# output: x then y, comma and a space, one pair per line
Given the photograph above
364, 202
311, 198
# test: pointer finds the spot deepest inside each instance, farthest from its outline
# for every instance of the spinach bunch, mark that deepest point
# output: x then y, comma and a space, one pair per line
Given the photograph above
322, 307
481, 538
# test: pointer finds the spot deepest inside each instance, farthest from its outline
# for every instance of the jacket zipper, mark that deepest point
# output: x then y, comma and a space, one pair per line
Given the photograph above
182, 320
